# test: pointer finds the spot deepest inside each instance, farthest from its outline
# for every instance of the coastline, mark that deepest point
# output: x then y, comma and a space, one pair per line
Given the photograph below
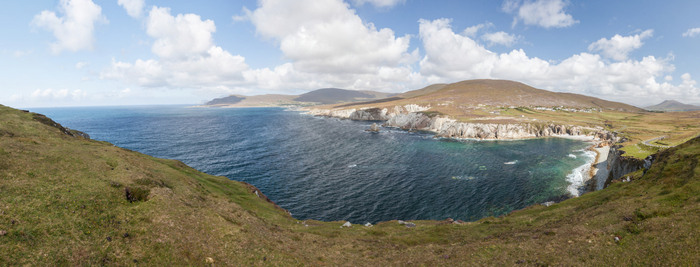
582, 179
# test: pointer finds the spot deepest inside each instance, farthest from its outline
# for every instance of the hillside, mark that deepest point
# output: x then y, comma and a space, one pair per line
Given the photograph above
672, 105
67, 200
333, 95
502, 93
426, 90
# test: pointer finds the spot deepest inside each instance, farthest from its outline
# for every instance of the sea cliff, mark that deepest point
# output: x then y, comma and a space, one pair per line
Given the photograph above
620, 165
414, 117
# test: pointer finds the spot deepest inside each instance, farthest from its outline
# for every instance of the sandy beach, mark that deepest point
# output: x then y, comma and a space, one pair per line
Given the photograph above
599, 168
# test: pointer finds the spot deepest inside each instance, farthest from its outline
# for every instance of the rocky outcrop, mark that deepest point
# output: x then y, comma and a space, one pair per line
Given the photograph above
619, 165
449, 128
374, 128
368, 114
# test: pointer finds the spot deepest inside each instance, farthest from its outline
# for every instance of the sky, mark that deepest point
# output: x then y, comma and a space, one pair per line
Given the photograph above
58, 53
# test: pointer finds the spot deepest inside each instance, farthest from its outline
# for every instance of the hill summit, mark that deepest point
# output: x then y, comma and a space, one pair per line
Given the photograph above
672, 105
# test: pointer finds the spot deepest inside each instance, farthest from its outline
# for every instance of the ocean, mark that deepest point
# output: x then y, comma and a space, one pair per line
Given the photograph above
331, 169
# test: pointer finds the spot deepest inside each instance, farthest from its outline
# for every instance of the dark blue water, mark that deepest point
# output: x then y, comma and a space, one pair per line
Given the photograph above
330, 169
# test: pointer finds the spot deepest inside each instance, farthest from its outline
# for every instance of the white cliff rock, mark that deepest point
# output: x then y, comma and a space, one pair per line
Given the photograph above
445, 127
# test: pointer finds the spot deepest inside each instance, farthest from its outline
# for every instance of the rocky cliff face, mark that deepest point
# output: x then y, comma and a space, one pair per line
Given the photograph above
445, 127
411, 117
620, 165
368, 114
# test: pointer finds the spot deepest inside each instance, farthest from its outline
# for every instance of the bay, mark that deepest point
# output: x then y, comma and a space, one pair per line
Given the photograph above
330, 169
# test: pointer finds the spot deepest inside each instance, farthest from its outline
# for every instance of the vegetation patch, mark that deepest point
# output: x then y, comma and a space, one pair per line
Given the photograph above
136, 194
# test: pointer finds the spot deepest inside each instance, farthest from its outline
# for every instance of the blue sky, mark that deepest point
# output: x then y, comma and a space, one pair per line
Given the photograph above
135, 52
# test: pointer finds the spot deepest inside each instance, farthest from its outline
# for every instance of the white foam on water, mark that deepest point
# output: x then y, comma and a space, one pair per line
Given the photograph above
511, 162
352, 166
572, 156
579, 176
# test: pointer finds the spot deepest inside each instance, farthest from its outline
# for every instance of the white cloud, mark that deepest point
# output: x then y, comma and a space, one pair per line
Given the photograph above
691, 32
81, 64
668, 78
329, 37
453, 57
73, 31
501, 38
187, 55
471, 31
687, 80
181, 36
543, 13
133, 7
379, 3
50, 94
618, 47
327, 45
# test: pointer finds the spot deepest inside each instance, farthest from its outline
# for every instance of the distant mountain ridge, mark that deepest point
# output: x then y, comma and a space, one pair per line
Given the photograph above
469, 92
320, 96
672, 105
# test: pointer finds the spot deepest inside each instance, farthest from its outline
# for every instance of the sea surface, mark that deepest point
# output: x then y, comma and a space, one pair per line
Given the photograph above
330, 169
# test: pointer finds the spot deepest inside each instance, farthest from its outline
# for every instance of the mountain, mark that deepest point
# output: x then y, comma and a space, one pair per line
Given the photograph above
501, 93
322, 96
252, 101
66, 200
229, 100
672, 105
335, 95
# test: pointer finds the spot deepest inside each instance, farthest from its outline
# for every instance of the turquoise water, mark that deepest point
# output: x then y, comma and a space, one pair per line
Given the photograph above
330, 169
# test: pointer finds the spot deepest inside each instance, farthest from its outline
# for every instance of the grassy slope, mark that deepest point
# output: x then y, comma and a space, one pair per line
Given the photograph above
66, 196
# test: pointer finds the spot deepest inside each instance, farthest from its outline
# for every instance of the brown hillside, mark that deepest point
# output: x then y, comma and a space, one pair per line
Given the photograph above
502, 93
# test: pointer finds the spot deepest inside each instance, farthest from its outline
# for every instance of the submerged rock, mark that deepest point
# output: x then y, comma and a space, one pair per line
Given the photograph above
374, 128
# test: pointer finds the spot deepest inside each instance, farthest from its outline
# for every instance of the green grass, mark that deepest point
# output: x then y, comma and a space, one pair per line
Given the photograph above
66, 196
639, 150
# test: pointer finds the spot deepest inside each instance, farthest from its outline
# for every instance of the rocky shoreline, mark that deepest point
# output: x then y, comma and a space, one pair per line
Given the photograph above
608, 165
415, 117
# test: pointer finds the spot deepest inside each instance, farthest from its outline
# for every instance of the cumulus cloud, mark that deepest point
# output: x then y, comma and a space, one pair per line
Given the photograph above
74, 30
543, 13
453, 57
691, 32
179, 36
618, 47
379, 3
186, 57
330, 37
501, 38
133, 7
471, 31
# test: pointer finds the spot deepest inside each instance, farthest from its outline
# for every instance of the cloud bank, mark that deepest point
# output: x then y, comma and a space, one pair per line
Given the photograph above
329, 45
